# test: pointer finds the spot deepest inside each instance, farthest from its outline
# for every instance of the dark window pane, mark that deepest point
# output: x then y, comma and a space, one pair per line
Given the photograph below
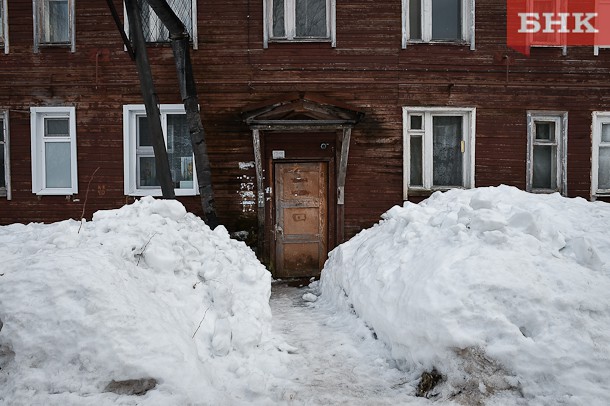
545, 131
147, 172
415, 19
417, 123
154, 30
416, 178
545, 167
180, 151
57, 127
446, 19
56, 22
311, 18
1, 130
1, 23
2, 173
605, 132
447, 151
144, 139
57, 165
603, 181
279, 30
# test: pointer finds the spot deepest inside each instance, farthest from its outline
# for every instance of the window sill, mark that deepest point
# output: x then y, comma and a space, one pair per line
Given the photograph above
55, 45
429, 192
56, 192
300, 40
460, 43
158, 193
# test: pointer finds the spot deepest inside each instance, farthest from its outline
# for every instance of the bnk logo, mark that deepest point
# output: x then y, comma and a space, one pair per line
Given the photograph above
557, 23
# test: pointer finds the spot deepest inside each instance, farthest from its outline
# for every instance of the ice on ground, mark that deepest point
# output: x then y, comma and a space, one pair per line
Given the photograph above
505, 293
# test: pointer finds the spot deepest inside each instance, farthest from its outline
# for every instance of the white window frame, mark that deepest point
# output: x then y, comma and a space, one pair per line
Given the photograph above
560, 118
468, 24
193, 39
598, 118
604, 6
130, 114
290, 23
4, 25
6, 191
38, 145
560, 37
38, 31
468, 143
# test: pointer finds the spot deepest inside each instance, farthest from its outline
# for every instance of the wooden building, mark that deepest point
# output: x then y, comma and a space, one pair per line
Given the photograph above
320, 114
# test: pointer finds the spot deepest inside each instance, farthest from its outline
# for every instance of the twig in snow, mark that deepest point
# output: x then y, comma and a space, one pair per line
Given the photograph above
82, 216
206, 312
141, 254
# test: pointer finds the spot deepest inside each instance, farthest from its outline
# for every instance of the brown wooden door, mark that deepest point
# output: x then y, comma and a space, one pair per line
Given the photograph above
301, 229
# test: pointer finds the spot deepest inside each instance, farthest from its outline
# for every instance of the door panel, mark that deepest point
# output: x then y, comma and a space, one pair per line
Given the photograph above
301, 231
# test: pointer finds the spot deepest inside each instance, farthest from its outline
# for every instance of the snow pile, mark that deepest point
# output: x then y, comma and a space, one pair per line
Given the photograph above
505, 293
145, 291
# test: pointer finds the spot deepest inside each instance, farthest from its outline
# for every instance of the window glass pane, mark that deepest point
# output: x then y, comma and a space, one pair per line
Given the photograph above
545, 131
2, 161
606, 132
57, 165
154, 30
447, 19
147, 172
1, 22
56, 21
603, 181
180, 151
57, 127
447, 151
545, 167
416, 123
541, 7
415, 19
416, 175
144, 139
279, 30
2, 173
311, 18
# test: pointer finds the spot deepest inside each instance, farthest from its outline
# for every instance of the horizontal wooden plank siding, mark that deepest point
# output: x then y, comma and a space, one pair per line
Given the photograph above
367, 70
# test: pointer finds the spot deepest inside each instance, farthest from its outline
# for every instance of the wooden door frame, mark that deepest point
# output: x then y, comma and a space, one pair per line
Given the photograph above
337, 167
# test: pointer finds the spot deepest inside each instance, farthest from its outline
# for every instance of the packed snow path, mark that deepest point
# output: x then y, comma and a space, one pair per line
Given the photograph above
337, 360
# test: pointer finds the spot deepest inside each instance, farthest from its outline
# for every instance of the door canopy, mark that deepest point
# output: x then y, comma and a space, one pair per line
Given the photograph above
302, 112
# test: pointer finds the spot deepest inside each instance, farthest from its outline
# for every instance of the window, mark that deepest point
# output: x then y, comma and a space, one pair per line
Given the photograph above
438, 21
155, 31
600, 171
438, 148
546, 152
299, 20
5, 177
139, 159
4, 25
54, 151
54, 23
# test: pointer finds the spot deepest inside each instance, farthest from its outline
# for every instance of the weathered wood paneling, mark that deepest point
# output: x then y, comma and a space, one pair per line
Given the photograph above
367, 70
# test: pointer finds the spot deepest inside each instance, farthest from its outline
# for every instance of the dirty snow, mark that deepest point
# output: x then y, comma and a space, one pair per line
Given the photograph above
505, 293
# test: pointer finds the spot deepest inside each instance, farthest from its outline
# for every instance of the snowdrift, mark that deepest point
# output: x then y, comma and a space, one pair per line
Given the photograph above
145, 291
505, 293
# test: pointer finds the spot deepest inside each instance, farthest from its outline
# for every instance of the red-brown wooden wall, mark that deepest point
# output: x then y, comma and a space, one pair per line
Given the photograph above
367, 70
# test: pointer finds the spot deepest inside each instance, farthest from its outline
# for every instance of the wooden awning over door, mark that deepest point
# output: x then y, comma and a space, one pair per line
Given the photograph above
303, 112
